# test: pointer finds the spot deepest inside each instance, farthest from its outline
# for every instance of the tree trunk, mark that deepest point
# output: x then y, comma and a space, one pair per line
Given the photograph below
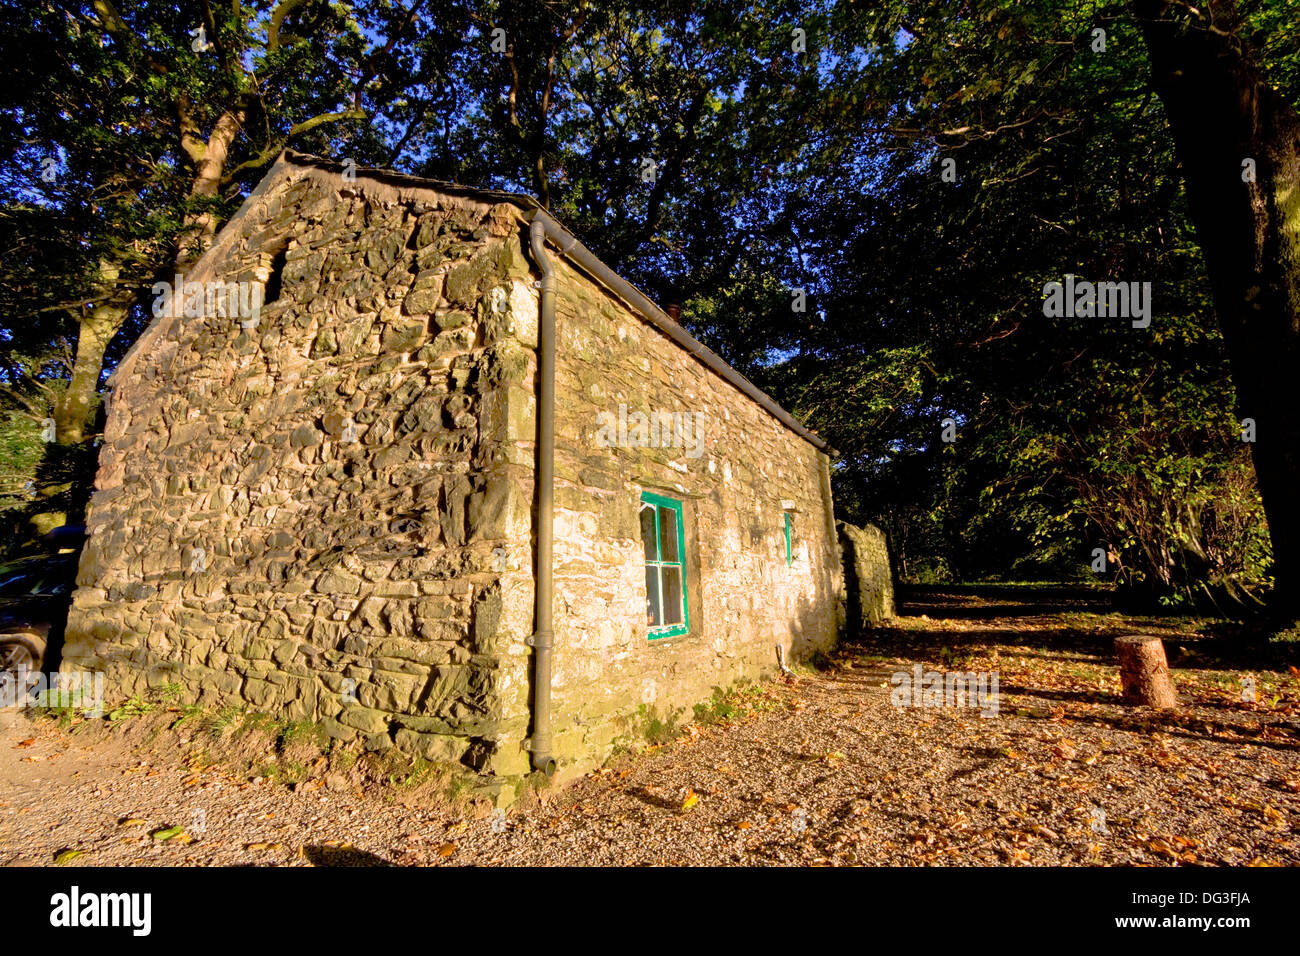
75, 413
1144, 672
61, 476
1222, 113
209, 164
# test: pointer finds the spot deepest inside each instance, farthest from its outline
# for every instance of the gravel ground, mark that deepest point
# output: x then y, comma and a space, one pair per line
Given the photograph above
817, 770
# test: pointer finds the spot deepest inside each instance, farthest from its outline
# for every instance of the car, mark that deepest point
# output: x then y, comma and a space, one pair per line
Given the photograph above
35, 592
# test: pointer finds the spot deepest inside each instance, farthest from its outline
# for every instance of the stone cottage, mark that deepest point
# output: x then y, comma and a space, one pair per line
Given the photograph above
405, 459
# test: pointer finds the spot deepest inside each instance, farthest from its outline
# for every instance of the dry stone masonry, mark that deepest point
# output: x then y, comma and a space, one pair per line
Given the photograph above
868, 575
328, 513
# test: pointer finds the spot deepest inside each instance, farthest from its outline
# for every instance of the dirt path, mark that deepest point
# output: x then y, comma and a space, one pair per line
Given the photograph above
823, 769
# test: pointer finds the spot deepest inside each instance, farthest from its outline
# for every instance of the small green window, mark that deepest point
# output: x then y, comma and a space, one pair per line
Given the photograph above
665, 568
789, 540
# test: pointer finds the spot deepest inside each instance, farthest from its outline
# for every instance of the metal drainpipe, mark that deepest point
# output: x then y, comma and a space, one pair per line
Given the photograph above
543, 639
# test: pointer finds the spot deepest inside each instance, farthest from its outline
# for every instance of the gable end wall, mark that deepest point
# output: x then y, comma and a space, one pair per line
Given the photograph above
241, 548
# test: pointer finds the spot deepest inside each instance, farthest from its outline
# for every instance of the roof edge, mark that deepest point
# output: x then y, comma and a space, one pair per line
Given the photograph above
568, 245
573, 250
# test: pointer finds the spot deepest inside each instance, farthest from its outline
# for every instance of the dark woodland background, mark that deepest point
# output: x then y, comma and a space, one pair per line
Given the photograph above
724, 156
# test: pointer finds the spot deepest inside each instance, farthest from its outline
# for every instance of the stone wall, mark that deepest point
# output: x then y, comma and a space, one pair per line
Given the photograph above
868, 575
327, 516
743, 598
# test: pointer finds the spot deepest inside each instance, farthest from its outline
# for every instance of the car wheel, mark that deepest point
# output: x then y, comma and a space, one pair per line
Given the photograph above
19, 654
19, 649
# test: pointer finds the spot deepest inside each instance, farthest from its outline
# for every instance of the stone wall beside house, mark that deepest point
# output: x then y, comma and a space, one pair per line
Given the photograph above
868, 575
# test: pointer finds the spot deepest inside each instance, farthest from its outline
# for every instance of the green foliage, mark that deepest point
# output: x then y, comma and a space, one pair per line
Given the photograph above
20, 453
134, 707
304, 732
124, 144
654, 728
1070, 433
718, 709
190, 713
224, 719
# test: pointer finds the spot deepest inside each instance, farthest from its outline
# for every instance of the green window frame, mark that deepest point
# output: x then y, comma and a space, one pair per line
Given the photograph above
664, 545
789, 539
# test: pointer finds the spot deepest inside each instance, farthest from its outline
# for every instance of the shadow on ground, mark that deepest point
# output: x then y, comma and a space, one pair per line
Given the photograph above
1056, 621
341, 856
975, 601
1071, 630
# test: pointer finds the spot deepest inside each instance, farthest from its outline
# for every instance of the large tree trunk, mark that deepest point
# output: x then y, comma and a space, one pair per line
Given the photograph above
1221, 113
62, 473
65, 460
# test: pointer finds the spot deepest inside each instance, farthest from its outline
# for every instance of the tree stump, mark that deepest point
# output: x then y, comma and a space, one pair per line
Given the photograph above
1144, 672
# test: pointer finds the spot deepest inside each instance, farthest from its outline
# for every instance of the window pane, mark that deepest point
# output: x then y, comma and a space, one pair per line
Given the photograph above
653, 617
648, 532
668, 534
672, 594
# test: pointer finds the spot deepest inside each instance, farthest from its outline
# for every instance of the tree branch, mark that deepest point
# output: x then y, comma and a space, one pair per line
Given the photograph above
273, 150
282, 10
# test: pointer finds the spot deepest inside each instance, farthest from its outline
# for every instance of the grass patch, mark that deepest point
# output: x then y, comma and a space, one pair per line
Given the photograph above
255, 722
718, 710
191, 713
134, 707
304, 733
656, 730
341, 756
224, 719
415, 778
741, 700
